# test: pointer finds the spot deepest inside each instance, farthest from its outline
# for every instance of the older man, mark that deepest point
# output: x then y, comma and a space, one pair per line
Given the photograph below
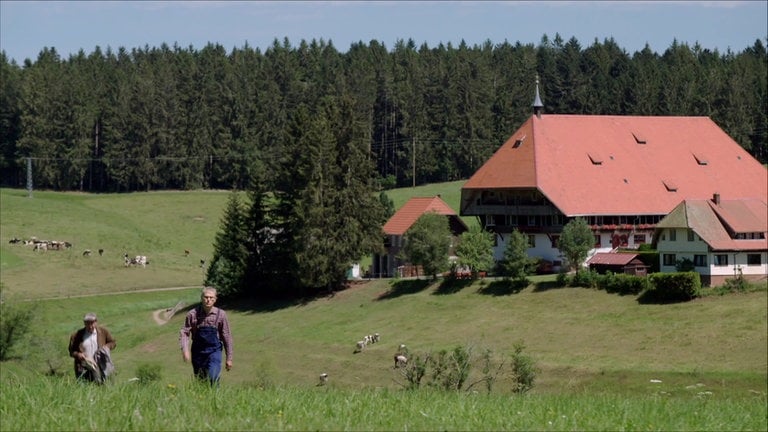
84, 345
208, 328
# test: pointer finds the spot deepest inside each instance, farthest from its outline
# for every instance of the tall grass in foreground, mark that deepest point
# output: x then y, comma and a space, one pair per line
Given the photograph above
49, 403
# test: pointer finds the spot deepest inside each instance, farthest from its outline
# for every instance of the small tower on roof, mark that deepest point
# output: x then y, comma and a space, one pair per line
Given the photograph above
538, 106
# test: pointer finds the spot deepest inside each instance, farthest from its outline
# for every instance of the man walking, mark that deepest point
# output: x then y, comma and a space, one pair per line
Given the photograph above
207, 328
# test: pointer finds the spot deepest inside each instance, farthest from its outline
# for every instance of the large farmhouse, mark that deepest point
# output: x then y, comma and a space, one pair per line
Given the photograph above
720, 239
623, 174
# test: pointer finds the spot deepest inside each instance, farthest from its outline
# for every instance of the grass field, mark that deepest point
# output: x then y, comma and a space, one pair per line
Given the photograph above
635, 366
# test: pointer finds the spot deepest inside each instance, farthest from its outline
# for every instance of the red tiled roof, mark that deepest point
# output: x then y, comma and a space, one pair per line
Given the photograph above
603, 165
710, 222
399, 223
604, 258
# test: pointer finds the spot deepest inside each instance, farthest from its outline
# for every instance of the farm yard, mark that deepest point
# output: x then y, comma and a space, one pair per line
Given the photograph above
604, 361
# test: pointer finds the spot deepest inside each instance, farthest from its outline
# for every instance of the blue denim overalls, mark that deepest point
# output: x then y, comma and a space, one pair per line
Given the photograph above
206, 351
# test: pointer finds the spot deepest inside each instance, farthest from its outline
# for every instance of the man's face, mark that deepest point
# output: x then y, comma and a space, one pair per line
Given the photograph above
90, 325
208, 298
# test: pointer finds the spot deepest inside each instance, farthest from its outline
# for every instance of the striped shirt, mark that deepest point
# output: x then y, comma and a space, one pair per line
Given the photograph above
215, 318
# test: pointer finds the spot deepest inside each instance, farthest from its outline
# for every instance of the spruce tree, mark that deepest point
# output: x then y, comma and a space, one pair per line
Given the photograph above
227, 267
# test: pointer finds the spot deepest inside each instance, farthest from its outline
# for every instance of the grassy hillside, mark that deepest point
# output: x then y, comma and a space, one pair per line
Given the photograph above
581, 338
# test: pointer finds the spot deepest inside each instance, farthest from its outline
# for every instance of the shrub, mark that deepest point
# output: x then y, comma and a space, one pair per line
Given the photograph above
450, 370
524, 370
671, 287
623, 284
15, 321
585, 278
562, 279
149, 372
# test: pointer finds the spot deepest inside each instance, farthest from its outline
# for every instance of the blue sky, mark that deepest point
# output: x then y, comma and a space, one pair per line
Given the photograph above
28, 26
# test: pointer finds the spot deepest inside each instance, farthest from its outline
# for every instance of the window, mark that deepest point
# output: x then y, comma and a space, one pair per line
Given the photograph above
532, 220
721, 260
512, 220
700, 260
531, 240
555, 239
670, 259
672, 235
691, 236
639, 239
754, 259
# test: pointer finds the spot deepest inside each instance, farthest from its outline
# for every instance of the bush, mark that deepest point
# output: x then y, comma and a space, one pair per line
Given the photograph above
149, 372
623, 284
671, 287
15, 321
585, 278
524, 370
455, 370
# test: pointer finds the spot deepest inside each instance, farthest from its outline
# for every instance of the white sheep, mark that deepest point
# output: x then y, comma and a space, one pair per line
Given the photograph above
400, 360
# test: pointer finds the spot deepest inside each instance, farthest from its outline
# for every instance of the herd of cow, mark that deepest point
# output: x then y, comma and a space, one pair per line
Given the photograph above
44, 245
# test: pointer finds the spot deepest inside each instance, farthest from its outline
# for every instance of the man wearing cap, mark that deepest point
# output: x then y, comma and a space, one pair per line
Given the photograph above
85, 343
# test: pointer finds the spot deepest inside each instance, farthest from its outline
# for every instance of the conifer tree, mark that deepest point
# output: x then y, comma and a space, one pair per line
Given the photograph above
227, 267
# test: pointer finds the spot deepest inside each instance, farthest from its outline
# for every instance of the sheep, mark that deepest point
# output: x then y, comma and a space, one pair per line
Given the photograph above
400, 360
323, 379
359, 346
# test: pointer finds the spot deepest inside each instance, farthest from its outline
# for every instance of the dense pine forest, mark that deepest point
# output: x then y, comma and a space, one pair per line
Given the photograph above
167, 117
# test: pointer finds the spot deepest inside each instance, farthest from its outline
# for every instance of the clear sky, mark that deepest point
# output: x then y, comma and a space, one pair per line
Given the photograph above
68, 26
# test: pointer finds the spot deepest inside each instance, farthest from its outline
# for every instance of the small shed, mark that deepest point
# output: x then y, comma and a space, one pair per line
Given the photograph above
628, 263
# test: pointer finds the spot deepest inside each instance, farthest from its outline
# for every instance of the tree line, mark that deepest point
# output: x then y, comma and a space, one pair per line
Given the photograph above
180, 118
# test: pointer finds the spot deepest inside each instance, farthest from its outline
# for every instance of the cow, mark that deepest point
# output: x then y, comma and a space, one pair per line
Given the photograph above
137, 260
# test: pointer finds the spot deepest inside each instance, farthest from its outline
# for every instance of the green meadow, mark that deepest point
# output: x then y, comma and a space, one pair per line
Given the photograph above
605, 362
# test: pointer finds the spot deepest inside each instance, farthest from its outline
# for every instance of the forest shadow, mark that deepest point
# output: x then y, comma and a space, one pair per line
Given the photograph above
502, 287
546, 286
452, 285
405, 287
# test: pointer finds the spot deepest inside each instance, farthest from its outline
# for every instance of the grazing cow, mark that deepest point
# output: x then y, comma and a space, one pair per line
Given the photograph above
87, 252
101, 252
41, 246
202, 263
138, 260
186, 252
14, 240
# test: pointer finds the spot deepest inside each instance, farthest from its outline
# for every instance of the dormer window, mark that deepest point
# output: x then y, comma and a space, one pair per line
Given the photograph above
700, 159
671, 186
639, 138
595, 158
518, 142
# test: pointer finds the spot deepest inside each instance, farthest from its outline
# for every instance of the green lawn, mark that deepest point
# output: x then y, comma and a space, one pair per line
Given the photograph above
590, 347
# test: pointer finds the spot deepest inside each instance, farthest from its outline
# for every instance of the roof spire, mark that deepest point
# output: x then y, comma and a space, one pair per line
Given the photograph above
538, 106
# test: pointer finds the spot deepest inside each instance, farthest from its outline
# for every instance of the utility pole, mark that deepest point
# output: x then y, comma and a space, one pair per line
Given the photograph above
29, 177
413, 163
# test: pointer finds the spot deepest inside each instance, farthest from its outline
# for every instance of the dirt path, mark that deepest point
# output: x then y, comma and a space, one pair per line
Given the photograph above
162, 316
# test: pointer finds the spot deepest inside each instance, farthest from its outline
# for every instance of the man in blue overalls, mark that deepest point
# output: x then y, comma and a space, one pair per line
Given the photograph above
208, 328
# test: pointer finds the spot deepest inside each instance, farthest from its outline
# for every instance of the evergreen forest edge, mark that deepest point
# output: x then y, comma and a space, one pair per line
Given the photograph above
157, 118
